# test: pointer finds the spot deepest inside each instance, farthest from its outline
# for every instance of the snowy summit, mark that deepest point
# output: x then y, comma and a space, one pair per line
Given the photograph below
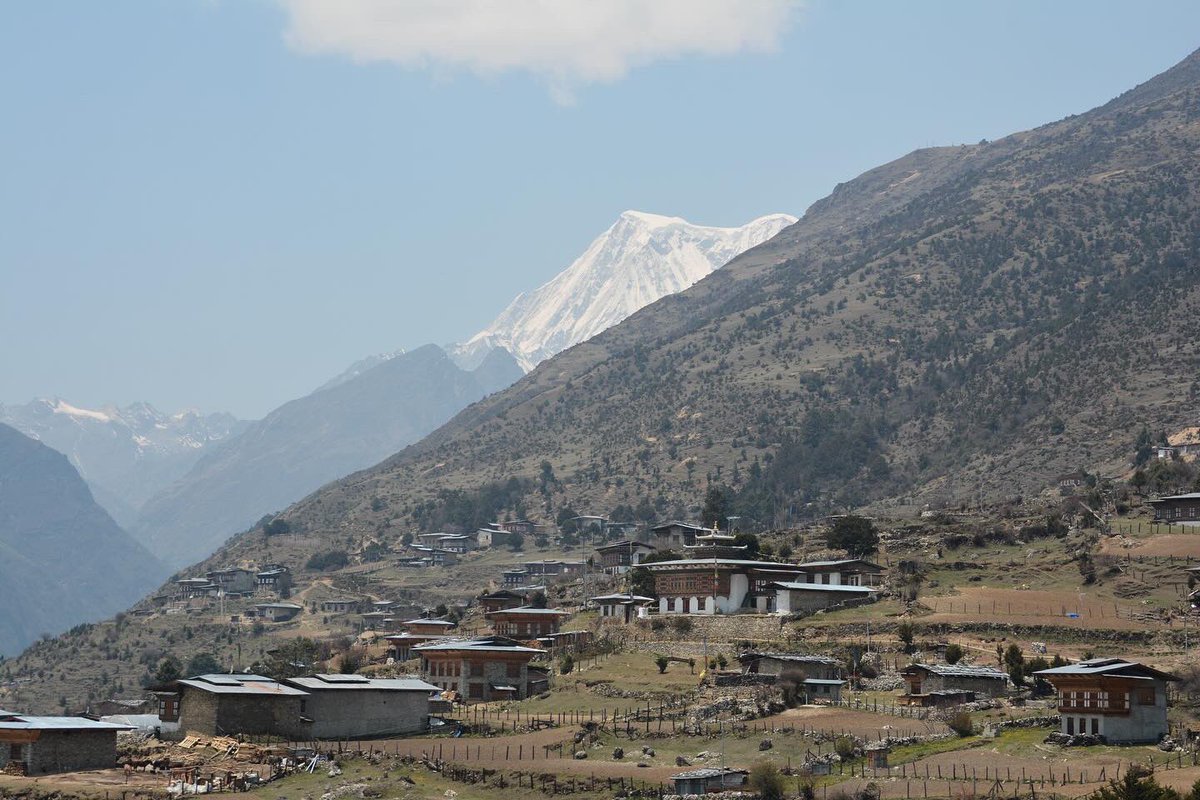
640, 259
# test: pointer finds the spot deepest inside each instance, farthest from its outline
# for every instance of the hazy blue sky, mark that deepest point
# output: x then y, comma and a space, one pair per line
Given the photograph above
221, 203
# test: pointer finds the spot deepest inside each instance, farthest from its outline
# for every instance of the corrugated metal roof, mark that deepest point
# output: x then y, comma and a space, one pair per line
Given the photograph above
1110, 666
488, 645
1188, 496
241, 684
442, 622
824, 587
529, 610
839, 562
824, 682
622, 598
721, 562
29, 723
708, 772
800, 658
340, 682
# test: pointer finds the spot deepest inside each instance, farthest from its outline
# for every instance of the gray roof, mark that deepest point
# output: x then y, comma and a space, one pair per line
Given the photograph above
800, 658
1188, 496
490, 644
824, 682
707, 772
238, 683
960, 671
840, 562
442, 622
722, 562
622, 598
824, 587
22, 722
529, 610
1109, 666
285, 606
342, 682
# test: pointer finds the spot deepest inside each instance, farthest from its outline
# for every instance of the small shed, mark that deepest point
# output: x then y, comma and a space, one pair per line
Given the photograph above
709, 779
32, 745
928, 679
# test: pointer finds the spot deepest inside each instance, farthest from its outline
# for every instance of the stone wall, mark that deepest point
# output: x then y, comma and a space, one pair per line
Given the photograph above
69, 751
365, 713
227, 714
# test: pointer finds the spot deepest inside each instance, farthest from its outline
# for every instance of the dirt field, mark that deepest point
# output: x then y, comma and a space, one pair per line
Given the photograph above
1037, 607
1180, 545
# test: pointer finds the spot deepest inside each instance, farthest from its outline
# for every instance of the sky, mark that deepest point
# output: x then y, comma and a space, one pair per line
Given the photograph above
220, 204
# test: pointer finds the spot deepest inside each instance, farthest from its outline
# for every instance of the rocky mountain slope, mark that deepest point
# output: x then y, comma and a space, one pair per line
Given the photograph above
307, 442
963, 321
127, 454
639, 259
48, 520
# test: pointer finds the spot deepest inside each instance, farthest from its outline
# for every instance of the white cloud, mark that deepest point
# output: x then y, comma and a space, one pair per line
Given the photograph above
565, 42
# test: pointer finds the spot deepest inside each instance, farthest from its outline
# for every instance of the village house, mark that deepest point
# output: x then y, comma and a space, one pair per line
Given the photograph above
272, 577
820, 676
1123, 702
339, 605
451, 542
1072, 482
512, 578
189, 588
718, 585
1177, 509
842, 572
710, 780
620, 557
491, 537
623, 607
521, 526
553, 568
675, 535
795, 597
31, 745
233, 580
503, 598
435, 556
428, 627
950, 684
478, 670
226, 705
355, 706
277, 612
525, 622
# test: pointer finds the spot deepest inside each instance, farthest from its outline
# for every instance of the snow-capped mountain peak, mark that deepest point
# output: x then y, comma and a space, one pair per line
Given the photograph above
641, 258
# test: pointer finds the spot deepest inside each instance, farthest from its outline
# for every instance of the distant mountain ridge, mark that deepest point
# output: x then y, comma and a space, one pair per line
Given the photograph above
126, 454
640, 258
63, 560
352, 423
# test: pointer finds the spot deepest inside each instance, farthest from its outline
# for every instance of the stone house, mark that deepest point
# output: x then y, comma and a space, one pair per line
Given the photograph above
32, 745
718, 585
793, 597
479, 670
225, 705
1123, 702
820, 675
710, 780
504, 598
926, 682
675, 535
272, 577
355, 706
340, 605
841, 572
1177, 508
277, 612
623, 607
234, 579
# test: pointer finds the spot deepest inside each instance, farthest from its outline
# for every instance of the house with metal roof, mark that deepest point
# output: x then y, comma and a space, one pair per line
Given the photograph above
805, 597
1122, 702
32, 745
358, 707
623, 607
842, 572
277, 612
617, 558
718, 585
478, 670
1177, 509
710, 780
950, 684
821, 676
228, 704
526, 622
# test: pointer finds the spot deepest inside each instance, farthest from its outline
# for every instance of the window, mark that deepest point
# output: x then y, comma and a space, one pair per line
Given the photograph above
1070, 726
1095, 726
1146, 697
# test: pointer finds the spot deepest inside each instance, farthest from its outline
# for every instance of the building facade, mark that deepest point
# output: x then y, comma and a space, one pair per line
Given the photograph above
32, 745
620, 557
1177, 509
1123, 702
479, 670
229, 704
355, 706
525, 622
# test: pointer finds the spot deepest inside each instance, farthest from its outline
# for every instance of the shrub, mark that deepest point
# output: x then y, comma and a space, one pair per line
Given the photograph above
856, 535
566, 664
681, 624
954, 653
961, 723
844, 747
766, 780
661, 662
330, 560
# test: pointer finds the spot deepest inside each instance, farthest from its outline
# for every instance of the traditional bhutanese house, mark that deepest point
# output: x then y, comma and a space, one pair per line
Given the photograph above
400, 645
795, 597
196, 587
479, 670
709, 780
355, 706
950, 684
514, 577
1120, 701
277, 612
428, 627
491, 537
623, 607
525, 622
569, 639
504, 598
454, 542
553, 568
842, 572
521, 526
718, 585
715, 545
436, 556
32, 745
1177, 508
340, 605
271, 576
233, 579
234, 703
820, 675
377, 620
620, 557
675, 535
